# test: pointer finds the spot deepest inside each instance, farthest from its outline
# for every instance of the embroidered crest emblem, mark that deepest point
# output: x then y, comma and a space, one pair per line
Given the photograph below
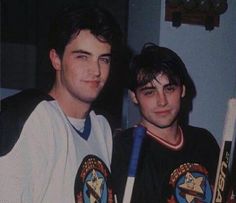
93, 182
190, 184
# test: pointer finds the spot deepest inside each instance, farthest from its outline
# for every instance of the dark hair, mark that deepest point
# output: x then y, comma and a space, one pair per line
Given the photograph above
74, 18
152, 61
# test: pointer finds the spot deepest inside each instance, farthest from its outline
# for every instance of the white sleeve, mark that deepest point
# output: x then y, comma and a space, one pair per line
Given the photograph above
15, 172
19, 167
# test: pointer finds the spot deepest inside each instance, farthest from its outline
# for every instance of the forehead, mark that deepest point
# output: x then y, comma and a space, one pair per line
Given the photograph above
86, 41
159, 80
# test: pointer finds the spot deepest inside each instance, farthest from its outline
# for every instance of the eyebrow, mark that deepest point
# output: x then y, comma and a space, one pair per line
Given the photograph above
80, 51
170, 84
153, 87
106, 55
147, 88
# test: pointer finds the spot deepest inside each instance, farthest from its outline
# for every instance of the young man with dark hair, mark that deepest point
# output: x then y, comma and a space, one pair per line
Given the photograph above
53, 147
176, 163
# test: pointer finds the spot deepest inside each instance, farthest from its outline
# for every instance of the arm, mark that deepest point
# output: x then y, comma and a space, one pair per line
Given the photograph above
18, 148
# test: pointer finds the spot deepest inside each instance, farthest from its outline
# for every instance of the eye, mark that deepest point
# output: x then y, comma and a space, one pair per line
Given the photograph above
82, 57
170, 88
148, 92
105, 60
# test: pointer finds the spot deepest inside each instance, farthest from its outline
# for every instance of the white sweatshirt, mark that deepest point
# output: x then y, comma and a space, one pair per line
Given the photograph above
51, 163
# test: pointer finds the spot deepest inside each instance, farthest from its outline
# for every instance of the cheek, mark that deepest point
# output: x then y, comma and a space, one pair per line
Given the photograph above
146, 103
105, 73
175, 101
67, 67
73, 74
78, 69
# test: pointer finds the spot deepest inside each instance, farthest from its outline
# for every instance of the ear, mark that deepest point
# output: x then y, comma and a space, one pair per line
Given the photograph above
183, 91
133, 97
55, 59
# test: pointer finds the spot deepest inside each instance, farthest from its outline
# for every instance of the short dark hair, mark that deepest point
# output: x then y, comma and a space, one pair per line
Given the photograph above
152, 61
74, 18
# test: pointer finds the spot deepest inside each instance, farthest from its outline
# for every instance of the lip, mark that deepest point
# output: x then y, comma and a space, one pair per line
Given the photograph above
162, 112
93, 83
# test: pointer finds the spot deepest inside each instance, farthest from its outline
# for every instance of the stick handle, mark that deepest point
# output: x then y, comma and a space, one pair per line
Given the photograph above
139, 133
226, 154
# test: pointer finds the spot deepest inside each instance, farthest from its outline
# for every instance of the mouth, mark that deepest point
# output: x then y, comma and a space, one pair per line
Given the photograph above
93, 83
162, 112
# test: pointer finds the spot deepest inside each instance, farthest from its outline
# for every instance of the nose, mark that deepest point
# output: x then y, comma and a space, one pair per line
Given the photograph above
161, 99
95, 68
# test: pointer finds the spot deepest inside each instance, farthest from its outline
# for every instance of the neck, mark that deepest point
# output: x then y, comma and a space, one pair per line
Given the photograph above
169, 134
71, 106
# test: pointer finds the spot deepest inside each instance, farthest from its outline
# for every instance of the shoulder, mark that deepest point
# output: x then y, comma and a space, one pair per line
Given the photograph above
29, 96
15, 110
123, 136
196, 131
100, 119
200, 135
123, 133
22, 103
122, 144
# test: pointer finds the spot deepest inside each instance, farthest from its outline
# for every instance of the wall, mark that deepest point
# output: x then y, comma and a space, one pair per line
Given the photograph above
208, 55
18, 62
143, 26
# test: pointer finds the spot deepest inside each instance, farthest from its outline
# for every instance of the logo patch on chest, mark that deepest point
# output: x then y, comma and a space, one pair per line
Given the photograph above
190, 184
93, 184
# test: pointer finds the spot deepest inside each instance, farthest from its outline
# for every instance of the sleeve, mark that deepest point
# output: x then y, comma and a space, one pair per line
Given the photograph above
15, 170
24, 163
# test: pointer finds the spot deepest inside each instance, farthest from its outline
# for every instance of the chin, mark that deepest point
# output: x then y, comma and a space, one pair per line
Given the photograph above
165, 124
90, 99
